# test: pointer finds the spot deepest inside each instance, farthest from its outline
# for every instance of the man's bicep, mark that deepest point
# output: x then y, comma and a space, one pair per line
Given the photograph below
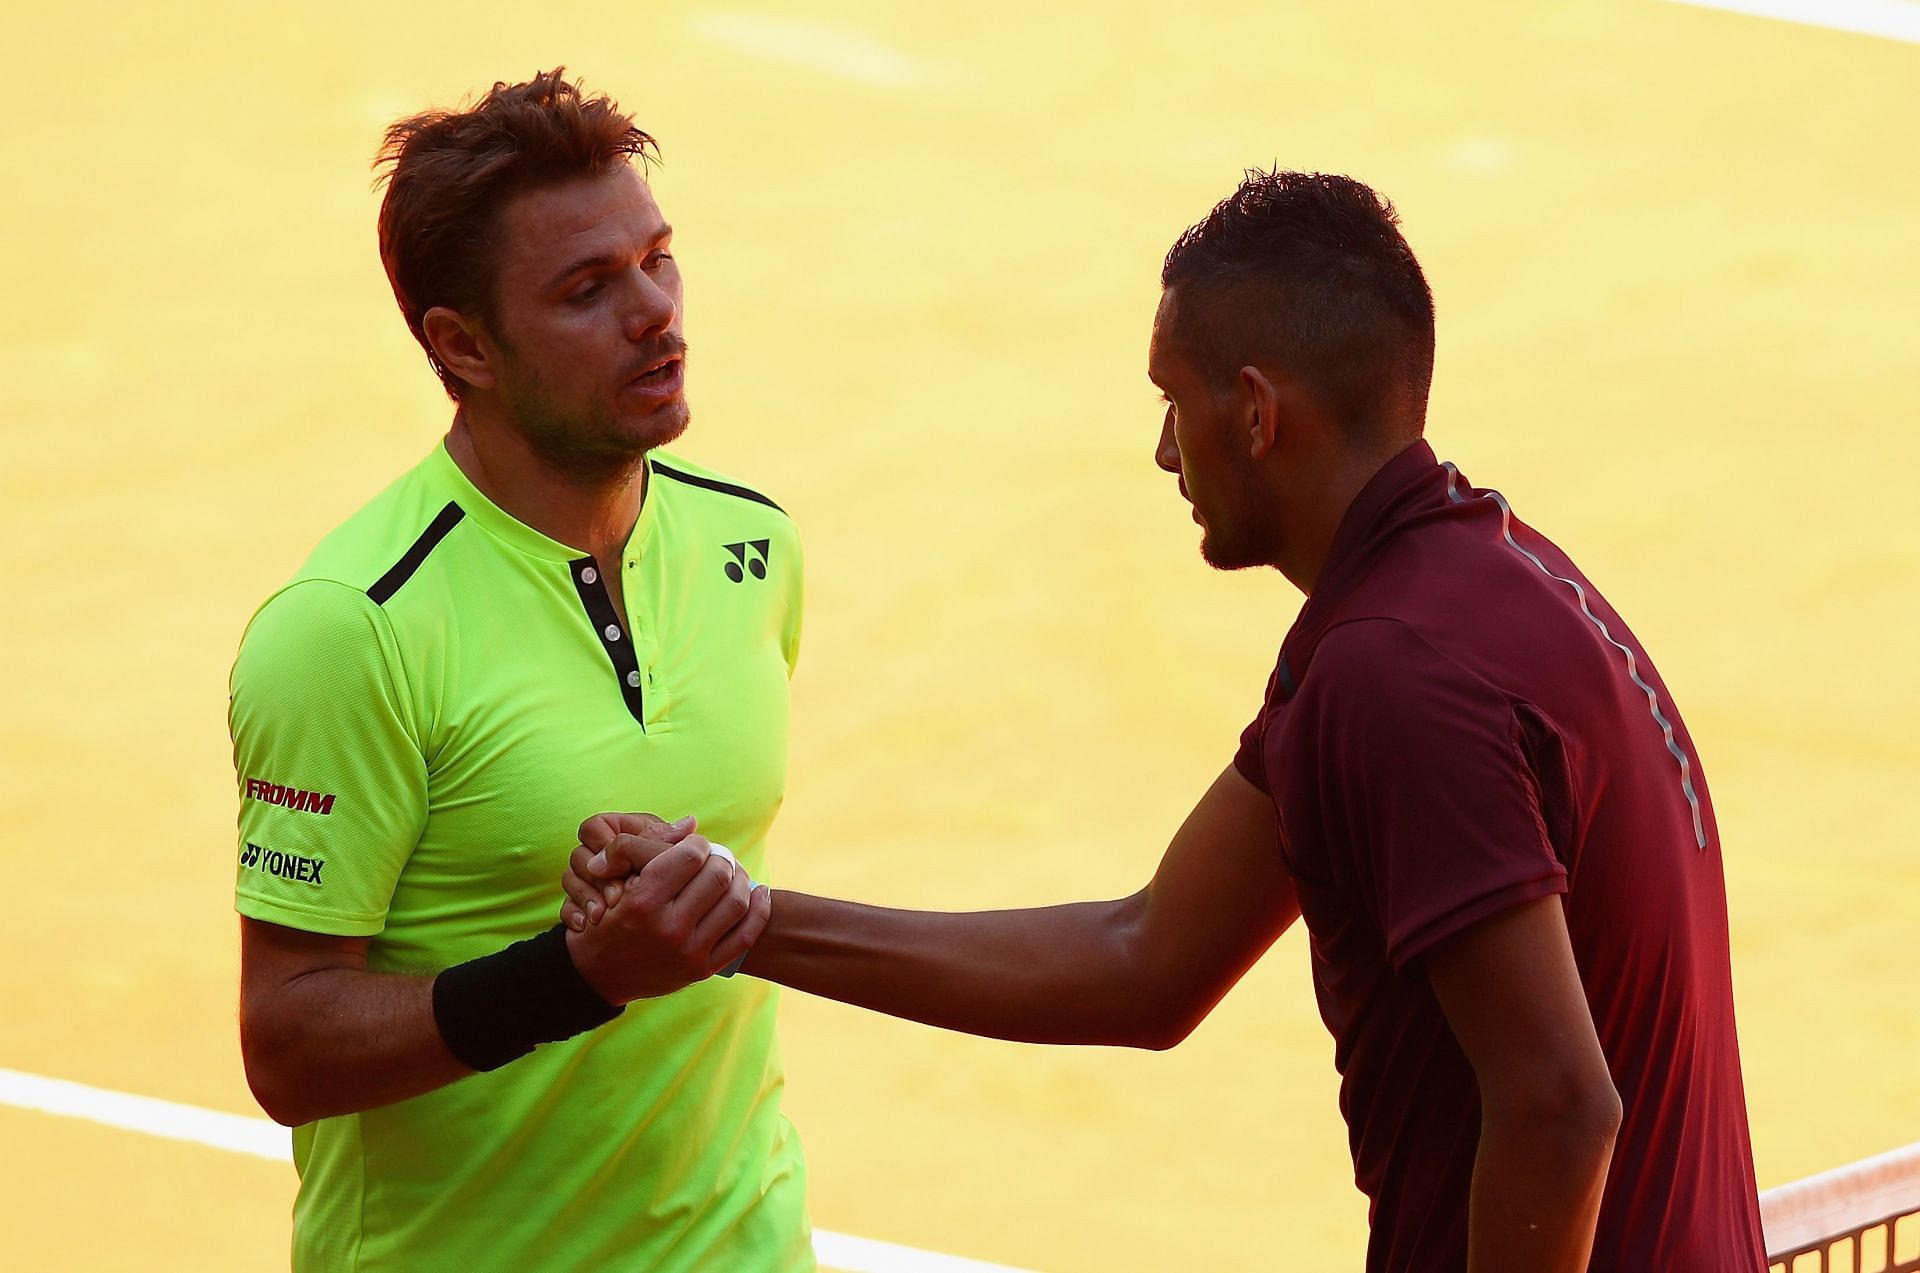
273, 1016
1221, 895
1512, 995
273, 955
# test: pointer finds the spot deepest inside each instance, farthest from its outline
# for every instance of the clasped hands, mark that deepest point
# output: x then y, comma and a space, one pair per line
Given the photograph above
653, 906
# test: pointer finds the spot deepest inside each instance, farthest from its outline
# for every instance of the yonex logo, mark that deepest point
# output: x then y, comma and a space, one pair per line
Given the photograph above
288, 866
757, 562
299, 801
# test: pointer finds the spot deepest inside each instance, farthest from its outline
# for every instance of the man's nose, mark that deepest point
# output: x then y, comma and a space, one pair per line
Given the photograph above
652, 310
1167, 453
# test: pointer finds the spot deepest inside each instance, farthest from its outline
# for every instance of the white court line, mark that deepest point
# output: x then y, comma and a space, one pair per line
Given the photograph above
819, 44
264, 1139
1894, 19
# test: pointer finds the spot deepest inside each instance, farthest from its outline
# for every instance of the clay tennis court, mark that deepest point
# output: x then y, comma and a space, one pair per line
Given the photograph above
1674, 255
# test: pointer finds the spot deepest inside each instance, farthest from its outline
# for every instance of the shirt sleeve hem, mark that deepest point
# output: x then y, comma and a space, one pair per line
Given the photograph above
1461, 918
1248, 765
306, 919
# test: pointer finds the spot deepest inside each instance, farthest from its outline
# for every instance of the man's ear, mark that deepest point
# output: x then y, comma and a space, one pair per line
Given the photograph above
462, 346
1264, 398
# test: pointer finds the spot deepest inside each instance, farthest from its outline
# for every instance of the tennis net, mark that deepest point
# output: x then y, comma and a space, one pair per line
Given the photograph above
1861, 1218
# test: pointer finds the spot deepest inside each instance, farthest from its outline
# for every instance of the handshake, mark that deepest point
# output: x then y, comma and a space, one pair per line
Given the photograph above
652, 906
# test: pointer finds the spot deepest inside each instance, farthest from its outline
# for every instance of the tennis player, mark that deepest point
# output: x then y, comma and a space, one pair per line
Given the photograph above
548, 615
1466, 775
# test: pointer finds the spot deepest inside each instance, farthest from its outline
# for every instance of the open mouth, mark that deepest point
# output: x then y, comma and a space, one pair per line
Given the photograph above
659, 375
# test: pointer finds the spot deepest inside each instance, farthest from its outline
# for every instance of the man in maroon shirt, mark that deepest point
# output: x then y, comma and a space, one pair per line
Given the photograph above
1466, 775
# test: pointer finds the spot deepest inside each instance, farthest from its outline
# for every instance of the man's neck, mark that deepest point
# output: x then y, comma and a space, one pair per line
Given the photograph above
1321, 522
592, 514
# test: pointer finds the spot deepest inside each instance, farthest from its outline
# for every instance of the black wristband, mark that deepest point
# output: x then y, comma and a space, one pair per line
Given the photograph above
499, 1007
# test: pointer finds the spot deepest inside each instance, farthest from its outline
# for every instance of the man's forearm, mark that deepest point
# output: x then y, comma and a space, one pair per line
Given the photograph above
1537, 1185
338, 1040
1058, 974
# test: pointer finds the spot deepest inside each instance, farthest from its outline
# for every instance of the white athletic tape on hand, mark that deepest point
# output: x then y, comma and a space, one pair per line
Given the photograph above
721, 850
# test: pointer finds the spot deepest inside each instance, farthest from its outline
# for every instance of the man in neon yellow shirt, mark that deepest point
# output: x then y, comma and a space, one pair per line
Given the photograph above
548, 616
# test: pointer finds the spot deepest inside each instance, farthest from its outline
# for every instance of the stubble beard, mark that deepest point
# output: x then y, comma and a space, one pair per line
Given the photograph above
1237, 547
1223, 554
586, 444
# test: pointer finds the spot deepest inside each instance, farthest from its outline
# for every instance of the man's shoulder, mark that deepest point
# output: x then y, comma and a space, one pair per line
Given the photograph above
713, 512
363, 551
335, 598
1373, 645
709, 486
1388, 660
312, 626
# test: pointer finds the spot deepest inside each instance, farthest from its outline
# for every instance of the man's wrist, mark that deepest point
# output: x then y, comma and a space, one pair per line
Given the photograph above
754, 960
498, 1008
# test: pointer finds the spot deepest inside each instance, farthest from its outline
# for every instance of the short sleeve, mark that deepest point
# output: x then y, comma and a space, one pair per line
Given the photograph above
1251, 758
1250, 761
1424, 772
331, 775
796, 607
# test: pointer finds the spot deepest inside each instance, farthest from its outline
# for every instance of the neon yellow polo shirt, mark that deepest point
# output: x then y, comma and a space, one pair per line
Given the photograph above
421, 720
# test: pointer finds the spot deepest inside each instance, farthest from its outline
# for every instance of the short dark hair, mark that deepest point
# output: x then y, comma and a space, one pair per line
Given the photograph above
1308, 269
449, 174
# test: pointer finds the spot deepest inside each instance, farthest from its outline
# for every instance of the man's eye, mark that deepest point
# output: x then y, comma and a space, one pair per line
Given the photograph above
654, 261
585, 294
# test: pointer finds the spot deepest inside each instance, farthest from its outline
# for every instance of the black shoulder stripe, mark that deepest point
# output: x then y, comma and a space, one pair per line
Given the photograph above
403, 569
712, 484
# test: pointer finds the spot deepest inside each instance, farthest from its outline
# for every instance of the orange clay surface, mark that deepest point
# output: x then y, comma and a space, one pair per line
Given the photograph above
1674, 255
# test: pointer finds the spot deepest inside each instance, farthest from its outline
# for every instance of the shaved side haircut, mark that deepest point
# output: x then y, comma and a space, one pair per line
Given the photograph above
1309, 271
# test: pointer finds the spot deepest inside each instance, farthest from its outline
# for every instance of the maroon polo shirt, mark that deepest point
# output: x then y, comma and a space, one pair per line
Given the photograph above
1459, 723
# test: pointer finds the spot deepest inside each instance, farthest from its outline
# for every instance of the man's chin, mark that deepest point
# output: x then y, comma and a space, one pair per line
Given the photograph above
613, 447
1223, 555
662, 426
657, 429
